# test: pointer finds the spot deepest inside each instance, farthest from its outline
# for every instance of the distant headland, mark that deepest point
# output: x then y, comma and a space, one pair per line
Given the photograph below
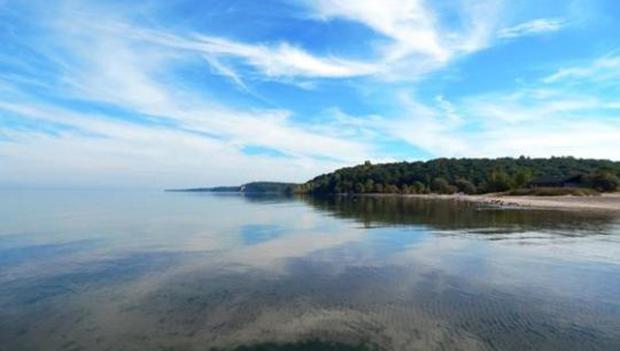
471, 176
250, 188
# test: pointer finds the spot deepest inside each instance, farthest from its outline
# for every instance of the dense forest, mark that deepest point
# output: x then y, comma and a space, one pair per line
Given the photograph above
470, 176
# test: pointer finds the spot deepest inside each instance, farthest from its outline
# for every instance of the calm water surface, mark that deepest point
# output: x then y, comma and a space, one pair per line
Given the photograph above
89, 270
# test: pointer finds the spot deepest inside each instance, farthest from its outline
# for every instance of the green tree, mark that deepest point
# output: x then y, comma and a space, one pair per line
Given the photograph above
392, 189
378, 188
497, 181
418, 188
359, 188
442, 186
603, 181
405, 189
487, 175
369, 185
465, 186
522, 178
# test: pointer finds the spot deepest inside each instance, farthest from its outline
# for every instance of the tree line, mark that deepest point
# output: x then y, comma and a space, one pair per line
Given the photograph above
465, 175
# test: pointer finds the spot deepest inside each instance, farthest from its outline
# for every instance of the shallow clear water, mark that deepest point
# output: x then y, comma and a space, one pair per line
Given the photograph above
95, 270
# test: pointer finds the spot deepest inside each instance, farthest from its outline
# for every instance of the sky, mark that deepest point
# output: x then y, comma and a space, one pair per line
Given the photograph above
158, 94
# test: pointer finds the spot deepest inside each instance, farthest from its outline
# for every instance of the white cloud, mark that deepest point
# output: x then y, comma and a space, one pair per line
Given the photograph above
104, 58
410, 24
434, 129
284, 59
274, 60
606, 68
428, 127
133, 75
226, 71
97, 63
418, 41
537, 26
528, 122
579, 138
100, 151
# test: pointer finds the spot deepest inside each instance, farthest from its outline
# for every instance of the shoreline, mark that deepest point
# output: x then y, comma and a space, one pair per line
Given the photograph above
604, 202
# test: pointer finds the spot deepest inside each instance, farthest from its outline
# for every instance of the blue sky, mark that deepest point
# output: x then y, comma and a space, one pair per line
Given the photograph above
183, 93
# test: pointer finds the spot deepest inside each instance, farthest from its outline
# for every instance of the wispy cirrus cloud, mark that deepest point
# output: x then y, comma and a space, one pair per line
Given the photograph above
122, 95
418, 40
174, 134
606, 68
228, 57
284, 60
410, 25
87, 149
537, 121
533, 27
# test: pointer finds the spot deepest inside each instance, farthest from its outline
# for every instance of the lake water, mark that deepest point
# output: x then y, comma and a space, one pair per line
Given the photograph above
94, 270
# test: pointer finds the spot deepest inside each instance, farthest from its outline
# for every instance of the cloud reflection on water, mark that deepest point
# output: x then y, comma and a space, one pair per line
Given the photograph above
196, 271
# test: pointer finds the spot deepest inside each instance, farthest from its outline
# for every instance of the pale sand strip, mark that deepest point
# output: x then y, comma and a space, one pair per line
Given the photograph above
604, 202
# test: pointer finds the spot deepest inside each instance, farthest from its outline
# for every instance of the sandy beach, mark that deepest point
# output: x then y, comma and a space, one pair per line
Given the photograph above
604, 202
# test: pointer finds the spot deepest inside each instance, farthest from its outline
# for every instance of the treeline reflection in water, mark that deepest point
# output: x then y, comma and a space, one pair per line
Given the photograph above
452, 214
225, 272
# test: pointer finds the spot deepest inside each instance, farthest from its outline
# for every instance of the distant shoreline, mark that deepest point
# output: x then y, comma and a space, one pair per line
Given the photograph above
609, 202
